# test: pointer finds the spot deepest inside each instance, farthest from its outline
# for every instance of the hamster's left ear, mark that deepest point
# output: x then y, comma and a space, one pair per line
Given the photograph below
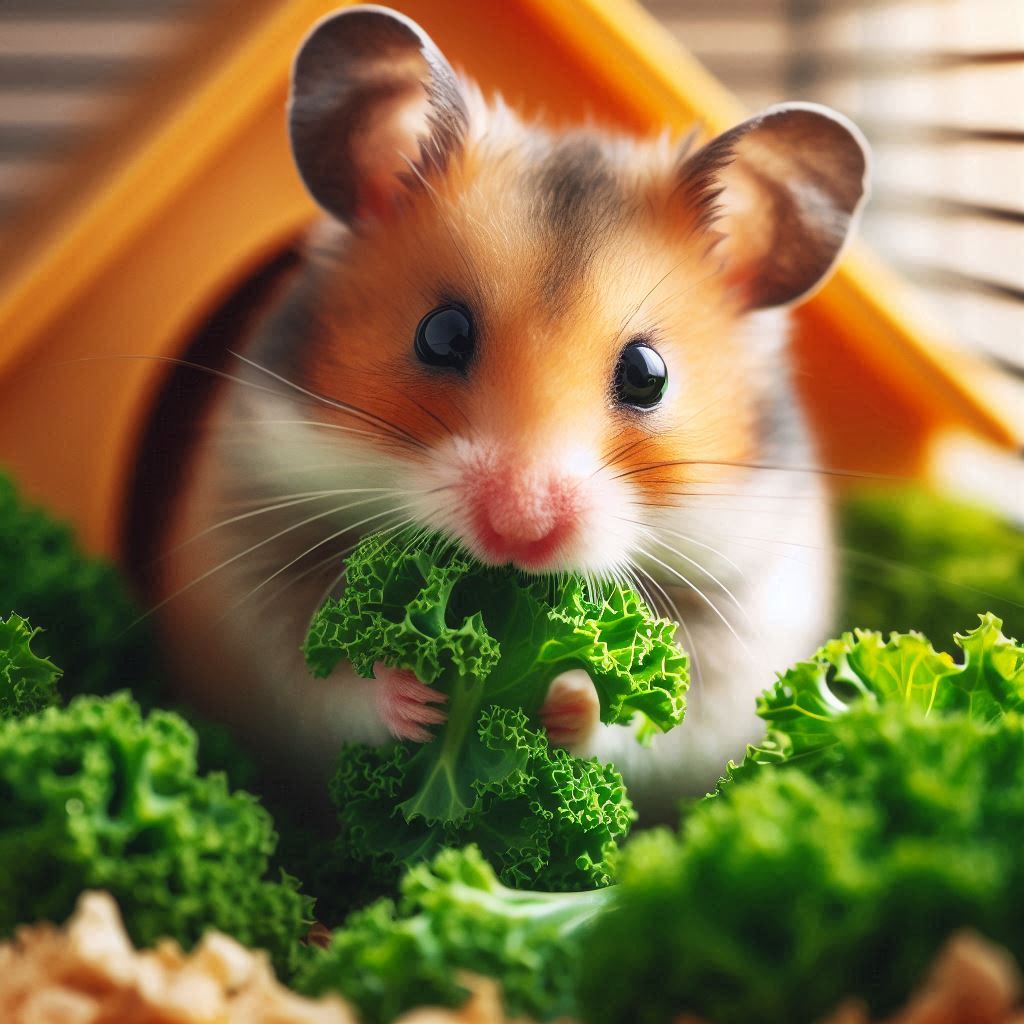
783, 190
371, 97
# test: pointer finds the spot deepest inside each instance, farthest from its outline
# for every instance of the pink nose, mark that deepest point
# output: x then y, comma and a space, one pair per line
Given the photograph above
523, 515
520, 509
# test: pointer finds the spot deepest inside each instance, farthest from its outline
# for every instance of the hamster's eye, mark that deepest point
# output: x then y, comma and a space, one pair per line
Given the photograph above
640, 376
445, 337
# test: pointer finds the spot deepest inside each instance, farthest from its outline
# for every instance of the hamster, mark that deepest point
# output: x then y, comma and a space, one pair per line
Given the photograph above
564, 350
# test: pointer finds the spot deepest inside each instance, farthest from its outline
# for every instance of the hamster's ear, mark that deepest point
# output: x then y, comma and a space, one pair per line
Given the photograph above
782, 189
371, 94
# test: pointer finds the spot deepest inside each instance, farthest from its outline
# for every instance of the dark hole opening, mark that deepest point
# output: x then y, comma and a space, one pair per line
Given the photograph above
178, 414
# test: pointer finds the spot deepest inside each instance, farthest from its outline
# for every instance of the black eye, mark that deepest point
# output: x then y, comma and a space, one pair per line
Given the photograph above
640, 376
445, 337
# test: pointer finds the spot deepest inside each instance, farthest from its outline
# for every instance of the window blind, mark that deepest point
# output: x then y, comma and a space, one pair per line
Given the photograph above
66, 69
938, 87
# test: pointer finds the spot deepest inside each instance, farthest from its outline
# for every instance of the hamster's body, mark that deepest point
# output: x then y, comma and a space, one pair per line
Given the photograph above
546, 346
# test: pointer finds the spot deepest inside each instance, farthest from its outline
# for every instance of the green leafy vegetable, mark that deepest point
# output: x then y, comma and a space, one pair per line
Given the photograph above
88, 624
96, 796
492, 640
28, 683
482, 634
543, 818
80, 604
895, 820
918, 560
454, 914
802, 708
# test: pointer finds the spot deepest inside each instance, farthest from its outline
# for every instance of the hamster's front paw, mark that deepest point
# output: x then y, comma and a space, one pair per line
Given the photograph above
406, 705
571, 710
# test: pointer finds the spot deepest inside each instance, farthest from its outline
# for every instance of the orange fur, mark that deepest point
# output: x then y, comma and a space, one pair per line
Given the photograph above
541, 374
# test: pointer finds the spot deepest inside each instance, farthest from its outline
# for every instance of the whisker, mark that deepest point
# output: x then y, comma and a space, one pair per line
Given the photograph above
625, 450
700, 593
620, 452
676, 296
256, 502
768, 466
855, 554
172, 360
296, 499
640, 305
700, 568
634, 581
947, 584
393, 428
303, 423
677, 617
395, 431
378, 532
752, 495
437, 419
312, 548
700, 506
324, 562
690, 540
242, 554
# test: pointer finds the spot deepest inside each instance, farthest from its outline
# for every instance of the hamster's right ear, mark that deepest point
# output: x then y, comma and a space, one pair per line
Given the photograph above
371, 95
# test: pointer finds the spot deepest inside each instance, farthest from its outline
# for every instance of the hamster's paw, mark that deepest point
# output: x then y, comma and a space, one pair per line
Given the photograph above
571, 710
406, 705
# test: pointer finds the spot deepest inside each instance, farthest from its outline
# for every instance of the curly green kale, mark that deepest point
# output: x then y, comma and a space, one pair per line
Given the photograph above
842, 855
543, 818
483, 634
28, 683
87, 622
794, 892
79, 603
454, 915
919, 560
492, 640
803, 706
96, 796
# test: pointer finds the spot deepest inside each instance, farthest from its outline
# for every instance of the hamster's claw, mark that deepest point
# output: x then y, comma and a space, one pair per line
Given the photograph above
405, 704
571, 710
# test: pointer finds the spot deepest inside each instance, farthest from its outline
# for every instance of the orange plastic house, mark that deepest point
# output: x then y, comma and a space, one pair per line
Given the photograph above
196, 191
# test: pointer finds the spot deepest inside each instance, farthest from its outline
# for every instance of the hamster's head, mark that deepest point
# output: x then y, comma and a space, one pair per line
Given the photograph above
540, 339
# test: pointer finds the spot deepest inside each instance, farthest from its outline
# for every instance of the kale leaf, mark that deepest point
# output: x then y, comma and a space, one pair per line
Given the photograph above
94, 795
491, 640
28, 683
454, 915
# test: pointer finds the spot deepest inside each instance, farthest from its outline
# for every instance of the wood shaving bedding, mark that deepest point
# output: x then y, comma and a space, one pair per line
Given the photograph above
89, 973
972, 981
482, 1007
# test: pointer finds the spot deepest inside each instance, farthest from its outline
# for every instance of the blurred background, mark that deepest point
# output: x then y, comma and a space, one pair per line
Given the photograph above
937, 85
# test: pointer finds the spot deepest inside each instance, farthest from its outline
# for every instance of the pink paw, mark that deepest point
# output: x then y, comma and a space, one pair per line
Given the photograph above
571, 709
405, 704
